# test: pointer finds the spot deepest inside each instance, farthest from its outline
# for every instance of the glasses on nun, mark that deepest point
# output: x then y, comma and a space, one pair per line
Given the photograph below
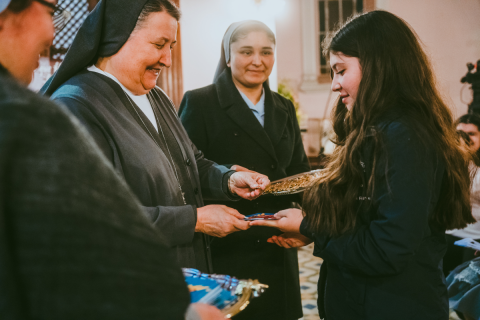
60, 16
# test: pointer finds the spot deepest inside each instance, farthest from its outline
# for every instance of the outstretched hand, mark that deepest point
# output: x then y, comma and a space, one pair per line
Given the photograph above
288, 221
219, 221
290, 240
248, 185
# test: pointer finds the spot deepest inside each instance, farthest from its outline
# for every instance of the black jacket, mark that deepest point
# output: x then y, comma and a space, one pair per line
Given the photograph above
74, 243
221, 125
390, 266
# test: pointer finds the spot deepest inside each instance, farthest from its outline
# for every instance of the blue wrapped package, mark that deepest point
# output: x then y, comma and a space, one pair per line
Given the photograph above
222, 291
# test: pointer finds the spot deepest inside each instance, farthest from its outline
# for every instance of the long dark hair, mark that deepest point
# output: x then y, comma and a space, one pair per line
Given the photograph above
396, 76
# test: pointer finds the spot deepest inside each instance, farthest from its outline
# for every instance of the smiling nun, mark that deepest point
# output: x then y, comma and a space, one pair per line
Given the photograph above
108, 81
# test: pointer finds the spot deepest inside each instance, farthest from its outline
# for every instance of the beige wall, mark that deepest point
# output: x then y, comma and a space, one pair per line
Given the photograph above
450, 30
290, 64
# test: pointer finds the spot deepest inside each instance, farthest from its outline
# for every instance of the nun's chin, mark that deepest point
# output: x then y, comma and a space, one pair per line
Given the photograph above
255, 78
150, 78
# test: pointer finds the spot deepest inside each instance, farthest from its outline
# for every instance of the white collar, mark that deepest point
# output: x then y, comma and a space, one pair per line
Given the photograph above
93, 68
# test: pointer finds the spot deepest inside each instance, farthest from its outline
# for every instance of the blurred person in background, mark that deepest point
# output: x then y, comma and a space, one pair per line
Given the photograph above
108, 81
239, 120
469, 125
74, 242
464, 289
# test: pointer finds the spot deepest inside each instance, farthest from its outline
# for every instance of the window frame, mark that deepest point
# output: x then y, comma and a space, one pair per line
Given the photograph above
325, 77
312, 78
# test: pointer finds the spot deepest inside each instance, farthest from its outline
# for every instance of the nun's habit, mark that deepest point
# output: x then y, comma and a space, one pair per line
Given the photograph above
163, 168
221, 124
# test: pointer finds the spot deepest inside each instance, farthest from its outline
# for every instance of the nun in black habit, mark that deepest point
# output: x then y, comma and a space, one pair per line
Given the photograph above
228, 124
108, 81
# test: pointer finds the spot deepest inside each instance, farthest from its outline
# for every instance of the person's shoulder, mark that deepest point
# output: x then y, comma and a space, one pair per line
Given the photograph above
17, 100
395, 124
25, 114
201, 93
80, 85
282, 102
198, 100
400, 134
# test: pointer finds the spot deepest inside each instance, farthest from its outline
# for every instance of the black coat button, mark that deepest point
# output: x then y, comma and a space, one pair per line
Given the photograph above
195, 190
188, 162
235, 134
272, 166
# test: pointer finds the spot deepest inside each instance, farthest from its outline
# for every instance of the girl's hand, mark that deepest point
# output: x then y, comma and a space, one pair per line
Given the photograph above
290, 240
288, 221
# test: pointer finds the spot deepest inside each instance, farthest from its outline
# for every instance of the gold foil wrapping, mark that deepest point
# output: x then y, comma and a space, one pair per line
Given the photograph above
293, 184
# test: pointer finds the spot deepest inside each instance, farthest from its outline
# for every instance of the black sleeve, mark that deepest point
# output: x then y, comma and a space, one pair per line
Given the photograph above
404, 199
176, 223
213, 178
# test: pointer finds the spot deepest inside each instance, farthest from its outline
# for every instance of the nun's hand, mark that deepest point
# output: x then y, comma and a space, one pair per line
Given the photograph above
238, 168
248, 185
288, 221
290, 240
219, 221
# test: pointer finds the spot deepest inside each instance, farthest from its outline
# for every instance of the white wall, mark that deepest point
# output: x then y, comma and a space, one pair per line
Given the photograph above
449, 29
203, 25
290, 63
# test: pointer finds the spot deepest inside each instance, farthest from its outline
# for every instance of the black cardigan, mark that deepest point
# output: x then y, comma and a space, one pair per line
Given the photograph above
390, 267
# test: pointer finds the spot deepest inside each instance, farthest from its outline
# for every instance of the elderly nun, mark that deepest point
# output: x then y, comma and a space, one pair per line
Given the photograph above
108, 81
73, 241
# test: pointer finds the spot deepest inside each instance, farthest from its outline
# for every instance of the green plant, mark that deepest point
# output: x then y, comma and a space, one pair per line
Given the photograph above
287, 92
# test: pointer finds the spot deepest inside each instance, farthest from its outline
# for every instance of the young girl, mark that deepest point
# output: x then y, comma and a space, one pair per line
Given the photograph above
396, 181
